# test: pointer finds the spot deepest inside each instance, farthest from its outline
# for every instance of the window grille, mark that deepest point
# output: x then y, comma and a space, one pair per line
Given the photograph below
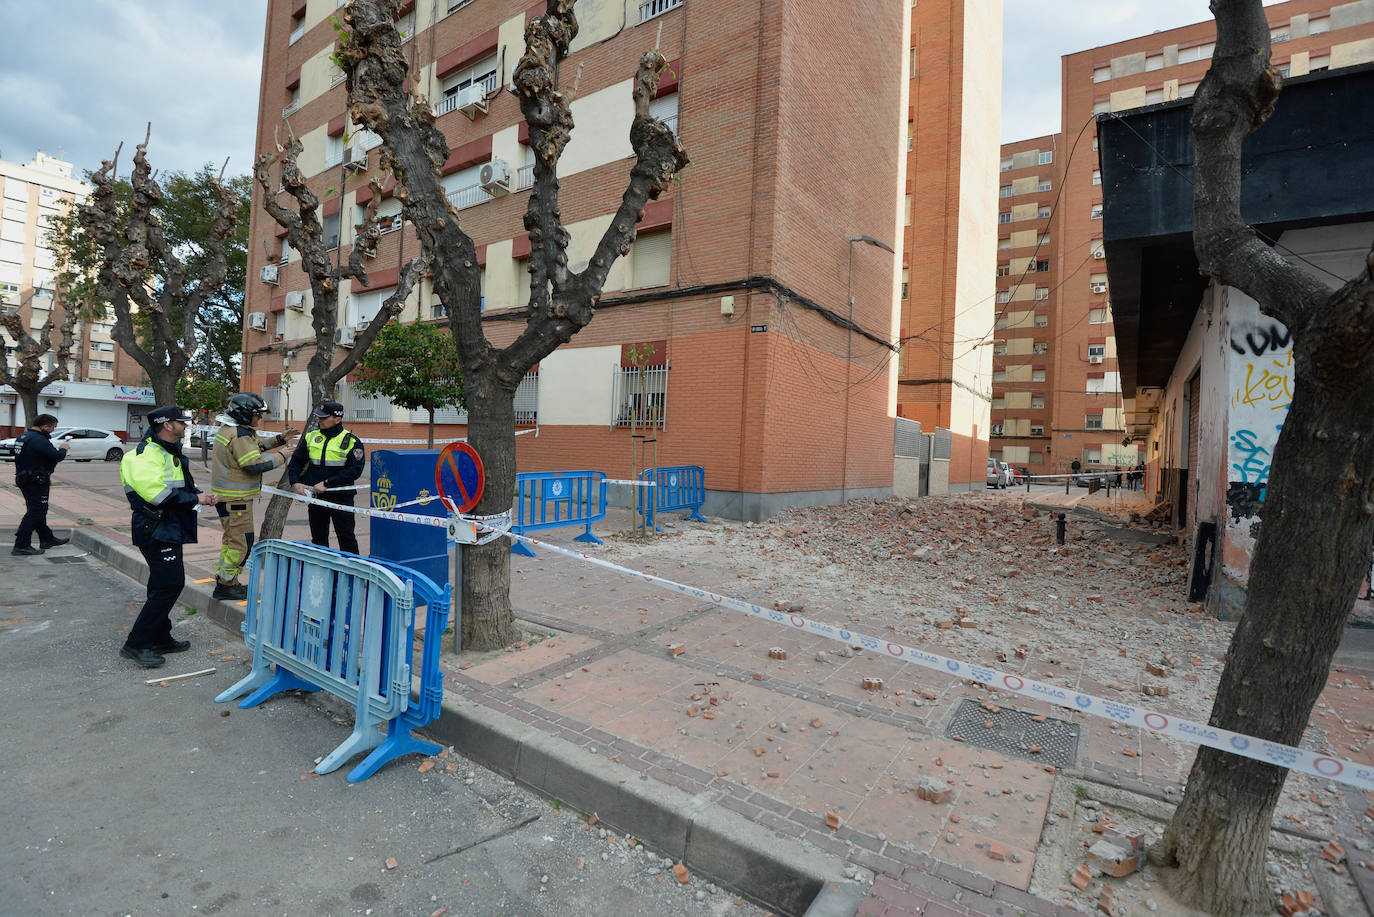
640, 396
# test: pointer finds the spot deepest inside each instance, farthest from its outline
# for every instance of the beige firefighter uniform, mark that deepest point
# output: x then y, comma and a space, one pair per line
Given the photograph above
236, 474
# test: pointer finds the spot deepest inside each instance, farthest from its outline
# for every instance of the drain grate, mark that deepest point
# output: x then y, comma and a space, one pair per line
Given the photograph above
1014, 733
79, 559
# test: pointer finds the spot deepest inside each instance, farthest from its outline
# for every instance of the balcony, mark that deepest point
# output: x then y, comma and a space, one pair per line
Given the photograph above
297, 34
524, 178
470, 196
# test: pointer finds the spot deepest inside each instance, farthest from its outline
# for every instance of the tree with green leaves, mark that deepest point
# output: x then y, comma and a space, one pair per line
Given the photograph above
181, 282
416, 366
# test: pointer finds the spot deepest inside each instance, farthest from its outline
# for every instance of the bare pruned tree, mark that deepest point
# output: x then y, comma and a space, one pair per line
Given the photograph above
28, 378
141, 274
1313, 547
305, 234
562, 301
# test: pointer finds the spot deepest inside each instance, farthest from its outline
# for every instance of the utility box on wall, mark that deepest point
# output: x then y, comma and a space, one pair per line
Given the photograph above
399, 477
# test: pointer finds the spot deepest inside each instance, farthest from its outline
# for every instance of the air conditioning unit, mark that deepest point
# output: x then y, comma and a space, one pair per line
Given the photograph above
270, 274
354, 159
494, 176
52, 402
295, 300
360, 326
1099, 254
257, 321
1099, 287
1094, 358
472, 100
997, 429
344, 337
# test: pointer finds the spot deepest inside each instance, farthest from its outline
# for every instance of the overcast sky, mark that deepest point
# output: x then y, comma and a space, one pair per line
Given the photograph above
79, 76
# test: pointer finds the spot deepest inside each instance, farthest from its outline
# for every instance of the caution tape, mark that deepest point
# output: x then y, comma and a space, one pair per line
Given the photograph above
1339, 770
628, 483
435, 521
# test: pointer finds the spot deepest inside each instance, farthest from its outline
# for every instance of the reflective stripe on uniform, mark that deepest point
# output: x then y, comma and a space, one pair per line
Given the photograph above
151, 473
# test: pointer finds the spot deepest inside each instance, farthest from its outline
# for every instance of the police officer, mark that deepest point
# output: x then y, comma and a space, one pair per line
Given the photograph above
157, 481
236, 479
34, 460
327, 458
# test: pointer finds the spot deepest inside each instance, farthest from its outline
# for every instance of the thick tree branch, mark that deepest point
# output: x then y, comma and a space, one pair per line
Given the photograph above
1235, 98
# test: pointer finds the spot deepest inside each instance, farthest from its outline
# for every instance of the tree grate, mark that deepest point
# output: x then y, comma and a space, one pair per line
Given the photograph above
1014, 733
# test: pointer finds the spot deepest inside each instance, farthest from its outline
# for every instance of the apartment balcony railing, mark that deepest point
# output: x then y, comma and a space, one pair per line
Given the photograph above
290, 110
524, 178
471, 196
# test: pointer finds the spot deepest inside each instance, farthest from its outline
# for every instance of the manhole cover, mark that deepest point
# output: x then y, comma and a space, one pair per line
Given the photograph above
1014, 733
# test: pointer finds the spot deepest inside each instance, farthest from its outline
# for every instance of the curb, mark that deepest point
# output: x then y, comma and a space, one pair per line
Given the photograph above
775, 871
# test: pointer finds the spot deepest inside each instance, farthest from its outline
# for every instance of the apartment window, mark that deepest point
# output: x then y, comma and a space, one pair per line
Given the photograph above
1097, 212
1045, 212
1037, 458
454, 5
911, 59
1042, 293
1094, 144
1044, 239
1097, 176
1041, 266
1045, 185
1037, 375
1097, 316
998, 404
1041, 320
1046, 157
1102, 74
1040, 347
1092, 455
333, 151
101, 366
1004, 217
102, 347
641, 395
1004, 295
1319, 26
482, 73
331, 231
406, 26
1038, 401
1003, 245
999, 375
651, 8
1278, 35
1004, 191
1037, 429
1195, 53
1092, 422
999, 348
1006, 163
297, 30
1097, 350
650, 259
1004, 270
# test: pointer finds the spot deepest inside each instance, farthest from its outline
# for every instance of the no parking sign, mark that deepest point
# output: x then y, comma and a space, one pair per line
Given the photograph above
459, 476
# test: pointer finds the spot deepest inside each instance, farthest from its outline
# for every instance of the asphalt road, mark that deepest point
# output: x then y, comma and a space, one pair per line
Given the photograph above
124, 798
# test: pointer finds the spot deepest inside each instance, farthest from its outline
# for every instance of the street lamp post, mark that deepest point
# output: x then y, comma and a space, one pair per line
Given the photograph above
849, 353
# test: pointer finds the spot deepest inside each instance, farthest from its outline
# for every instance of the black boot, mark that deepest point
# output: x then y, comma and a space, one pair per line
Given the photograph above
54, 543
229, 592
146, 658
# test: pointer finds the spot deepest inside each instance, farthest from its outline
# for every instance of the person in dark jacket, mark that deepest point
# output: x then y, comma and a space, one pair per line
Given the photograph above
35, 457
164, 499
327, 458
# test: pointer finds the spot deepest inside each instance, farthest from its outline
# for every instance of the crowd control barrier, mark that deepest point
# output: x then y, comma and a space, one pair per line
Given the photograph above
345, 624
681, 487
556, 499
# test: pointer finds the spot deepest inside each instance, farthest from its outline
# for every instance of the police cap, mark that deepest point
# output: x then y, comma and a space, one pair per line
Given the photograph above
169, 413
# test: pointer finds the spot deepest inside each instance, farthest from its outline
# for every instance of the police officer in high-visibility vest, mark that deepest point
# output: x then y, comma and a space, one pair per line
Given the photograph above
240, 461
157, 481
330, 457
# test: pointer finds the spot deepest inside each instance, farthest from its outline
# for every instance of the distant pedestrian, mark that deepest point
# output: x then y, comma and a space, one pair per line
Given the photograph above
1116, 479
330, 457
1140, 476
1077, 467
35, 457
157, 480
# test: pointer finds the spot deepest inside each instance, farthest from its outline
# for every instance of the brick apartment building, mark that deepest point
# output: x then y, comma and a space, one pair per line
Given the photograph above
739, 279
1062, 399
105, 385
948, 252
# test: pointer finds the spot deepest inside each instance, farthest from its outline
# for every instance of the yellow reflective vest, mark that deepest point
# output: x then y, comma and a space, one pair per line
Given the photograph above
157, 482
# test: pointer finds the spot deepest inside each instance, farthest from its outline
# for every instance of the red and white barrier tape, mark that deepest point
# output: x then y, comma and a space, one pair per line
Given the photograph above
1340, 770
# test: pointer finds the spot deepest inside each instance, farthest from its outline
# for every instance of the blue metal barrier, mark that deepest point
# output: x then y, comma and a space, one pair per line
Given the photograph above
331, 620
555, 499
681, 487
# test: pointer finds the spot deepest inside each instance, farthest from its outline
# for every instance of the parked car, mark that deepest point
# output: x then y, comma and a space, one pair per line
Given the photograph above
1019, 475
1008, 473
995, 478
86, 444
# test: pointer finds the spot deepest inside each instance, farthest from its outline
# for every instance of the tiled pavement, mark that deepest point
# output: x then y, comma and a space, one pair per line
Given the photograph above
783, 743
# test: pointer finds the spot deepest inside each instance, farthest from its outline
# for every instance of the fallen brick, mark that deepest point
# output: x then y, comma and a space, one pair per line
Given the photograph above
997, 851
1333, 852
815, 722
391, 863
693, 710
871, 683
426, 766
1080, 878
934, 790
677, 649
1111, 860
1155, 690
777, 652
680, 872
832, 820
1156, 670
1106, 902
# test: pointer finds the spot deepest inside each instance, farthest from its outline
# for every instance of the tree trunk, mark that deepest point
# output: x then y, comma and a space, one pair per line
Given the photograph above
488, 621
430, 407
278, 508
164, 383
29, 399
1280, 654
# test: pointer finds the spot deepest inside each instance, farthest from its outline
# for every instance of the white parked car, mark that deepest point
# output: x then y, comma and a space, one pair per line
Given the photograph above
86, 444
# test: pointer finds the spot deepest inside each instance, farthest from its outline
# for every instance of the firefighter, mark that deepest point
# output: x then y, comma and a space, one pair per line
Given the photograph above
329, 457
236, 479
157, 481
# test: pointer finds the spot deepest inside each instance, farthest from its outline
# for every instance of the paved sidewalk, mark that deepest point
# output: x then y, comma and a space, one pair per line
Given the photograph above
794, 745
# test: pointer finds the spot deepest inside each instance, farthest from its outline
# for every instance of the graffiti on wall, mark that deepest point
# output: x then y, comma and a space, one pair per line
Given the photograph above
1261, 392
